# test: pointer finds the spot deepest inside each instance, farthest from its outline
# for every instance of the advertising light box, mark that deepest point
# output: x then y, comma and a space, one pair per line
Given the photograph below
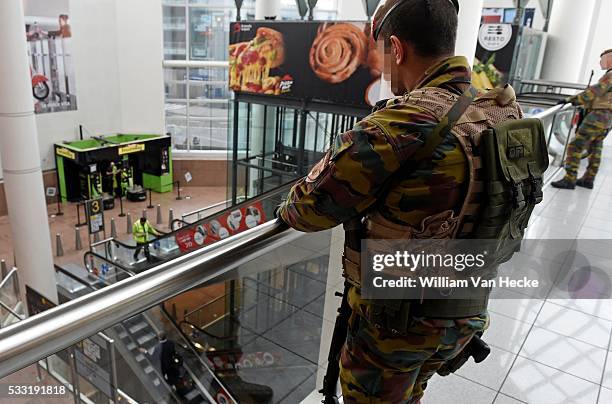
334, 62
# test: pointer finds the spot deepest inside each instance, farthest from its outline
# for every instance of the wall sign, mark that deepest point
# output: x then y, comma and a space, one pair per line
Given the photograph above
95, 215
493, 37
62, 151
131, 148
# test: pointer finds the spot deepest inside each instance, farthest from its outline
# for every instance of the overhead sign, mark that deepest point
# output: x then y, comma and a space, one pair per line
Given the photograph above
62, 151
95, 215
131, 148
336, 62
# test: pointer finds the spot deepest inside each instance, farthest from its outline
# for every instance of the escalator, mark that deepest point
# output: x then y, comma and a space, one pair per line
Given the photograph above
238, 333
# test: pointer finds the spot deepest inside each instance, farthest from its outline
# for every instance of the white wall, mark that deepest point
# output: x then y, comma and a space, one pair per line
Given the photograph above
139, 56
117, 58
600, 41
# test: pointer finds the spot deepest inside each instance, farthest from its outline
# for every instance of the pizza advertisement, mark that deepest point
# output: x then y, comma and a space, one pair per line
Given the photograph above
220, 227
335, 62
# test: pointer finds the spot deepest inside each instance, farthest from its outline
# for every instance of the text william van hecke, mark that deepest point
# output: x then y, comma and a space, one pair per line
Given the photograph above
447, 282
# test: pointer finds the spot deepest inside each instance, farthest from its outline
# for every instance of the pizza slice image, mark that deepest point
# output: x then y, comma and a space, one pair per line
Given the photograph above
251, 62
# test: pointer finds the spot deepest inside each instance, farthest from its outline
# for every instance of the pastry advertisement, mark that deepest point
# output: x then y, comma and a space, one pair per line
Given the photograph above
334, 62
220, 227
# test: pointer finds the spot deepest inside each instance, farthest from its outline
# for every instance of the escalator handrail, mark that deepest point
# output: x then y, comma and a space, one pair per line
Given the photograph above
58, 328
261, 197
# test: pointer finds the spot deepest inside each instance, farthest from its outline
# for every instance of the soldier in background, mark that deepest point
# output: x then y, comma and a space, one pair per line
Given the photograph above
597, 101
383, 173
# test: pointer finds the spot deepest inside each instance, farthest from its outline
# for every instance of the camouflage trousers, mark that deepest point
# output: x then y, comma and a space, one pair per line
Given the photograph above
377, 366
590, 138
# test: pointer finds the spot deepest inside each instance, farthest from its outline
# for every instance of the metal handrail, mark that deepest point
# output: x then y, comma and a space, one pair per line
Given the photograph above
7, 277
58, 328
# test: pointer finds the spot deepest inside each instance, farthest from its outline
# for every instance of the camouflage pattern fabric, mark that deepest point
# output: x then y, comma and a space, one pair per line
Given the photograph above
361, 170
596, 97
590, 136
593, 130
354, 172
377, 366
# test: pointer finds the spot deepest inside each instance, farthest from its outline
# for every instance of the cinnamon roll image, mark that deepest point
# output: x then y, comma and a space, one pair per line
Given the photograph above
337, 52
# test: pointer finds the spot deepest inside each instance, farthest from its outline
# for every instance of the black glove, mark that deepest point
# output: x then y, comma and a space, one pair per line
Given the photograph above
563, 102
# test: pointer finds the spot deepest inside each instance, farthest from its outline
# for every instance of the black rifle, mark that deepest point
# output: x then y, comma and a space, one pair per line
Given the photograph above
353, 231
333, 359
582, 111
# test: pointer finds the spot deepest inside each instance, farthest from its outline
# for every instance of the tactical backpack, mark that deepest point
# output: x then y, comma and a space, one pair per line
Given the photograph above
507, 157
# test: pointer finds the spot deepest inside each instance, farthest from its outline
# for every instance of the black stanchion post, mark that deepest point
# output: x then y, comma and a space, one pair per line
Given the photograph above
150, 200
178, 190
59, 206
121, 206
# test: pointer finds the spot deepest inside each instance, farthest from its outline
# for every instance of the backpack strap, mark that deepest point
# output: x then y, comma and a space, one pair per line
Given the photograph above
443, 129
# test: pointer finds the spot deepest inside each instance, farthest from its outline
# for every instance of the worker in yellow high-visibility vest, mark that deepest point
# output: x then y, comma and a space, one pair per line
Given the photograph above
141, 230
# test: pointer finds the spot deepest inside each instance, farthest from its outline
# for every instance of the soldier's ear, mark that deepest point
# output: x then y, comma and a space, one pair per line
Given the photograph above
397, 50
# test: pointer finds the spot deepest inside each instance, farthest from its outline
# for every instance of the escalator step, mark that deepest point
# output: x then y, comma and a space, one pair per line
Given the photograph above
192, 394
140, 358
156, 382
145, 338
148, 369
140, 326
122, 335
131, 346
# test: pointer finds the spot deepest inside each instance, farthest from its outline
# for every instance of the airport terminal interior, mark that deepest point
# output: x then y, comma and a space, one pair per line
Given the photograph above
194, 195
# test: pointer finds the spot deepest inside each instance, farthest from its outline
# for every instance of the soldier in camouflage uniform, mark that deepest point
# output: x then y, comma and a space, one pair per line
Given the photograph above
361, 174
597, 101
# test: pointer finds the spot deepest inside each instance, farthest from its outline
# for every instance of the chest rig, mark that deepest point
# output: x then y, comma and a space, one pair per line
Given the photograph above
506, 157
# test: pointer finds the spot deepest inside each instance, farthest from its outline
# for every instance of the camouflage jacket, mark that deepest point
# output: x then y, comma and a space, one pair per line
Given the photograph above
597, 100
356, 171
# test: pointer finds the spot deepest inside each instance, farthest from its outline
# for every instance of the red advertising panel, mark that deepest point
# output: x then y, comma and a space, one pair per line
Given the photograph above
220, 227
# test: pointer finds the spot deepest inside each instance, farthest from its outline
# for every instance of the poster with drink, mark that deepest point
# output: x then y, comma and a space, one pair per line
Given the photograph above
220, 227
337, 62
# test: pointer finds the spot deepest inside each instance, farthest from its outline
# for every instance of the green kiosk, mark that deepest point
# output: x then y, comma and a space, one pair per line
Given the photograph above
122, 164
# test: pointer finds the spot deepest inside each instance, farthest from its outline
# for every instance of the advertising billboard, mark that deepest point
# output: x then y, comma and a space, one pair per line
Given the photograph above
334, 62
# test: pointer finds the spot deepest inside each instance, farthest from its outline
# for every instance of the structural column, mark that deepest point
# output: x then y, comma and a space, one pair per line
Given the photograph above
470, 13
19, 149
570, 33
266, 9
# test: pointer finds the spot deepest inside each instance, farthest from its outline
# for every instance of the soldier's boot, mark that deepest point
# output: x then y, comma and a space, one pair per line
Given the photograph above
585, 182
564, 184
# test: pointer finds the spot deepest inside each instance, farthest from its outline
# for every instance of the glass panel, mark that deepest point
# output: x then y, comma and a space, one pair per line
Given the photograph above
209, 33
175, 30
176, 124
